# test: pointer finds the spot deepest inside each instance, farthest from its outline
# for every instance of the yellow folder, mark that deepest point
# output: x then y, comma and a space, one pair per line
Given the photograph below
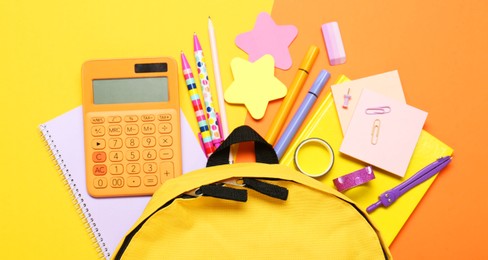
325, 124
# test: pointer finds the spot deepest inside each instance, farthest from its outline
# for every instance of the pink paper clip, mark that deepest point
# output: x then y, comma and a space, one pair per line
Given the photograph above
378, 110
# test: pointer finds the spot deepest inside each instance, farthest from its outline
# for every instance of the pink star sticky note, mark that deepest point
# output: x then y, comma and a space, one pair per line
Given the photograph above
268, 38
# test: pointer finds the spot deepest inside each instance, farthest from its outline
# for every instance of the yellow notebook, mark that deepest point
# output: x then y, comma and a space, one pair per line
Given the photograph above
325, 124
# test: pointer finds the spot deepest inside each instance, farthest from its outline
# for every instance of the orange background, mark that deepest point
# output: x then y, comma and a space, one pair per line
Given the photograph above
440, 51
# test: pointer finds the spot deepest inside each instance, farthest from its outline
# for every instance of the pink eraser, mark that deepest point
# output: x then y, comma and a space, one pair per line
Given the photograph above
333, 42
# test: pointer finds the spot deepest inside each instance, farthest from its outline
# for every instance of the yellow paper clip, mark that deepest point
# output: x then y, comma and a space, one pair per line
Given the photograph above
375, 132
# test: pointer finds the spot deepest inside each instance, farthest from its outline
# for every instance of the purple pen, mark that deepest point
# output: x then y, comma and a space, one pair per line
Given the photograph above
387, 198
301, 113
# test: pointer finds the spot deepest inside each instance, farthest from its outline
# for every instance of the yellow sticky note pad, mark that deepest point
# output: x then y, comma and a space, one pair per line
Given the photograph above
325, 124
254, 85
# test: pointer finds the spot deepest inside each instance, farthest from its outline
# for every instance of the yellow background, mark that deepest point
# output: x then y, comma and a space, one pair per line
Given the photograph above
42, 47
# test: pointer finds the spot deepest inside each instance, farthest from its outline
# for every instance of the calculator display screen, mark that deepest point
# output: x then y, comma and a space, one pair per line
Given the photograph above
133, 90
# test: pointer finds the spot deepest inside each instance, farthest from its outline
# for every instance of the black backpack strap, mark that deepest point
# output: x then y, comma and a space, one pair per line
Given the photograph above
263, 150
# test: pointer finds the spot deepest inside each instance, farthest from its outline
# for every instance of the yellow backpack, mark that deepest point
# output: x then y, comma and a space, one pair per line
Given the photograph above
259, 210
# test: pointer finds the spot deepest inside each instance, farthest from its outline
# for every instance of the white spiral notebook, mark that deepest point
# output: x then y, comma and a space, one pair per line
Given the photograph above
108, 218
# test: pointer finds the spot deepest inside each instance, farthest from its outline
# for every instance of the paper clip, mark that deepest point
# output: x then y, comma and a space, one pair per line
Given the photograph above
378, 110
375, 131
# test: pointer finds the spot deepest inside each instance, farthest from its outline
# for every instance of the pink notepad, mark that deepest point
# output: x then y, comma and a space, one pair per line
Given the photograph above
387, 83
383, 132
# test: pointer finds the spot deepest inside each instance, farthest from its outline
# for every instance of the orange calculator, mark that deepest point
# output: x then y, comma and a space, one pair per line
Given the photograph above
131, 117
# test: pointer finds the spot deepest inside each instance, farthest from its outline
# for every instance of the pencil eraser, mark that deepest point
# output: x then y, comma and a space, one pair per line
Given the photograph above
333, 43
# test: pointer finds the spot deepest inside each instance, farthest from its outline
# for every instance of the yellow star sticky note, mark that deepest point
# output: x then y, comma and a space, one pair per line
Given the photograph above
254, 85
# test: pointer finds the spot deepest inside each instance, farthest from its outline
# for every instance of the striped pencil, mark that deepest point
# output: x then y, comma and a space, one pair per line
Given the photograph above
213, 120
205, 138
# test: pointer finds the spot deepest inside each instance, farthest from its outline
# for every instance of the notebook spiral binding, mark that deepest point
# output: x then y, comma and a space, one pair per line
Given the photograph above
76, 197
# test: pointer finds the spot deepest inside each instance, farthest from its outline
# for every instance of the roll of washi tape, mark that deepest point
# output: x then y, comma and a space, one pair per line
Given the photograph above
354, 179
325, 145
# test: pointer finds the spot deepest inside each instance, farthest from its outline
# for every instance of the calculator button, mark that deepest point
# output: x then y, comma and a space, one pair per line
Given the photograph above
133, 168
150, 167
100, 182
164, 128
99, 157
147, 118
114, 130
98, 130
149, 154
166, 154
148, 141
116, 156
117, 182
116, 169
99, 169
97, 120
134, 181
114, 119
115, 143
167, 171
164, 117
148, 129
131, 129
133, 155
98, 144
165, 140
130, 118
132, 142
150, 180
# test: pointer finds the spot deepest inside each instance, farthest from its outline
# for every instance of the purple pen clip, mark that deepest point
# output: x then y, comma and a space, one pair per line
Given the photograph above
387, 198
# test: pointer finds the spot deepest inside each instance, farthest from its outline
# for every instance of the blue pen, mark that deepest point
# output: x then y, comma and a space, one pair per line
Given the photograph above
301, 113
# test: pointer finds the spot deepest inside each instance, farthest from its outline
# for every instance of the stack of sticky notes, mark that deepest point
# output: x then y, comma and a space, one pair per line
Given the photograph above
255, 84
379, 127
